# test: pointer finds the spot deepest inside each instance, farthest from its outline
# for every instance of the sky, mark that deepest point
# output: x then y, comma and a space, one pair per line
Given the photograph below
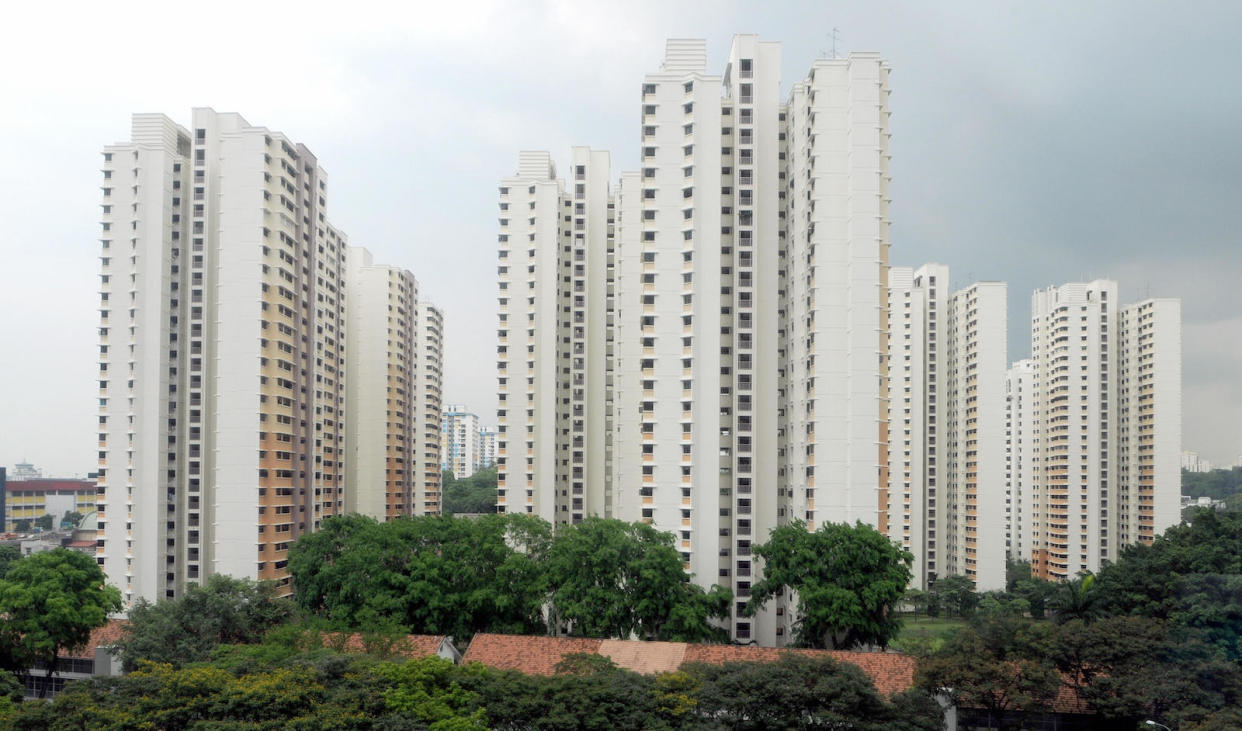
1034, 143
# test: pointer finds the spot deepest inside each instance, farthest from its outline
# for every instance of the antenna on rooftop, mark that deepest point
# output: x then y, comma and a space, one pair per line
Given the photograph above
834, 36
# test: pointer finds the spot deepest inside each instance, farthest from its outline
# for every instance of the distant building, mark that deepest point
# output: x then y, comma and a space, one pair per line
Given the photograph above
1192, 462
1106, 410
25, 471
487, 448
946, 498
32, 499
392, 469
459, 441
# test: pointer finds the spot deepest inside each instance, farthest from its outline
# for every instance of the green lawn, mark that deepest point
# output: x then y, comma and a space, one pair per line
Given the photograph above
923, 630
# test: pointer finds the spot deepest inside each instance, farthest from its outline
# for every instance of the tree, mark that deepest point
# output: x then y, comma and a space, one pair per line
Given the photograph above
998, 664
70, 518
1191, 575
608, 578
430, 575
8, 556
44, 521
1077, 599
1131, 668
187, 629
473, 494
51, 601
956, 595
848, 580
798, 691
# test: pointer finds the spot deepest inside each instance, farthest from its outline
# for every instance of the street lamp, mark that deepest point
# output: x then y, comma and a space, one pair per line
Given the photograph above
1149, 722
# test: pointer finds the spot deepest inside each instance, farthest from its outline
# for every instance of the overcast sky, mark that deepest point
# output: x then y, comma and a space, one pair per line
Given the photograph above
1035, 143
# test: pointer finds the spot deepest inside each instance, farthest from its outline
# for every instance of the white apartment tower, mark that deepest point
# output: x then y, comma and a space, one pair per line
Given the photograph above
389, 379
1021, 425
742, 315
836, 290
554, 260
946, 500
221, 354
459, 441
1107, 404
1149, 419
428, 402
487, 448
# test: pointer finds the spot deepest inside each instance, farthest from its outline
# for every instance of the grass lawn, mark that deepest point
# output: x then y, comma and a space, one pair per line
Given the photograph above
923, 629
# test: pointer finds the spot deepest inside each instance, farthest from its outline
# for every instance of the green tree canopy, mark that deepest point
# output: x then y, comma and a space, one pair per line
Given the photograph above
50, 602
999, 664
801, 692
473, 494
187, 629
609, 579
1191, 575
431, 575
848, 580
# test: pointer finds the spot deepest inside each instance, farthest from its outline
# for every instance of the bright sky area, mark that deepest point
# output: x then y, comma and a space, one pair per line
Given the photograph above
1035, 143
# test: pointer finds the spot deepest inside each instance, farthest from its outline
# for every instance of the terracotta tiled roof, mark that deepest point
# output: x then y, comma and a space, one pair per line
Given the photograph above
108, 634
531, 654
410, 646
50, 485
890, 672
535, 655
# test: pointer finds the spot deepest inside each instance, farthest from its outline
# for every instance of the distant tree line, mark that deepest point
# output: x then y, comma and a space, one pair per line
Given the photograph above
473, 494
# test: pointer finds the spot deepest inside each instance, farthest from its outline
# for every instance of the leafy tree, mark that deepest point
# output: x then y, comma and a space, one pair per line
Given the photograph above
999, 664
1015, 572
427, 689
798, 691
51, 601
610, 579
8, 555
70, 518
955, 595
848, 580
473, 494
1077, 599
44, 521
186, 629
22, 525
430, 575
1191, 575
1131, 668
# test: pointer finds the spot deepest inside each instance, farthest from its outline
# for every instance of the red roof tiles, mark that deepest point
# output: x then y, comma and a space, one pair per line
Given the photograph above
535, 655
50, 485
531, 654
410, 646
105, 636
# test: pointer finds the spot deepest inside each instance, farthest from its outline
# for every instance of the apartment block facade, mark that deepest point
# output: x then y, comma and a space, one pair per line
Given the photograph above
554, 266
947, 499
1107, 404
459, 441
734, 274
390, 378
221, 353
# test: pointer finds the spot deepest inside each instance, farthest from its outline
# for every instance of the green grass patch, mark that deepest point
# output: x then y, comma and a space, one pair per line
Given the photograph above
925, 634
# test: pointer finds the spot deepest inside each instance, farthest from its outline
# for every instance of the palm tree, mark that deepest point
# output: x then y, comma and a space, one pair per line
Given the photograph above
1077, 599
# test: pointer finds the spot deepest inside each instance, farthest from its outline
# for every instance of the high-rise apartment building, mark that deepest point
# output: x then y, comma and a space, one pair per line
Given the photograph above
428, 404
459, 441
946, 499
737, 288
1107, 405
221, 353
389, 380
487, 448
554, 260
1020, 456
